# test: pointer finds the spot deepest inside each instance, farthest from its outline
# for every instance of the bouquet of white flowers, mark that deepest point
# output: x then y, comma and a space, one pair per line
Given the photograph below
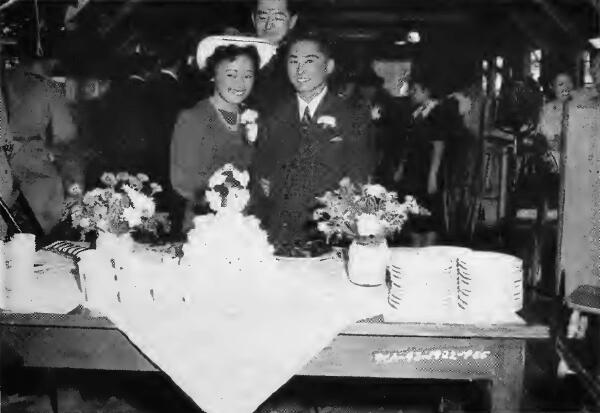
124, 205
363, 211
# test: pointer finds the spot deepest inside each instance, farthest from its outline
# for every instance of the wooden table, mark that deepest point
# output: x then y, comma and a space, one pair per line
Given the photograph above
367, 349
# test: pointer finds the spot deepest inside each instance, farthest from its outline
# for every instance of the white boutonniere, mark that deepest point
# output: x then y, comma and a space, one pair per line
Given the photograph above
248, 119
376, 112
327, 121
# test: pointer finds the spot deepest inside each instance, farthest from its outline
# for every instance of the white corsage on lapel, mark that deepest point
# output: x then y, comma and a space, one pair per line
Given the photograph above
376, 112
248, 119
336, 139
327, 121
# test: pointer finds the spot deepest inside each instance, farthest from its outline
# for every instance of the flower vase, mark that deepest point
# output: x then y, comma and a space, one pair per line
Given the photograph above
104, 281
367, 261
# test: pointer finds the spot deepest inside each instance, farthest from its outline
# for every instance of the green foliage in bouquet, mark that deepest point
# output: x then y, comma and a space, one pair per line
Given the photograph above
363, 211
125, 204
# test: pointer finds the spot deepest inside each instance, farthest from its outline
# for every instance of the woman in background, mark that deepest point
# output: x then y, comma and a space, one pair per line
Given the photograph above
209, 135
419, 171
551, 119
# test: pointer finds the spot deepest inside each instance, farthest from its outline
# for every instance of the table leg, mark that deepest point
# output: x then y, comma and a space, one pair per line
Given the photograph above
507, 386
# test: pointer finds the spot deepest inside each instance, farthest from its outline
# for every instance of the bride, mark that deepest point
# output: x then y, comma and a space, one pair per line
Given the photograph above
209, 135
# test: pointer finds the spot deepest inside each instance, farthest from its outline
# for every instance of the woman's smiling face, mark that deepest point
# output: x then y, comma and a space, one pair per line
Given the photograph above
563, 86
234, 79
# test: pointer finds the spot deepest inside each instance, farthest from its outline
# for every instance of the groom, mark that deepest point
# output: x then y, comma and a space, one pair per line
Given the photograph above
313, 140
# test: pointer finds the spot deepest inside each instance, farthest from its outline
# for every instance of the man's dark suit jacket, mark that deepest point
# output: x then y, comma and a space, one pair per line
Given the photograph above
303, 161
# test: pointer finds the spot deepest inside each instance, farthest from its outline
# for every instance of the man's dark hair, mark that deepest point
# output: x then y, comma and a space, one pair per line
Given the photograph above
230, 53
293, 7
323, 42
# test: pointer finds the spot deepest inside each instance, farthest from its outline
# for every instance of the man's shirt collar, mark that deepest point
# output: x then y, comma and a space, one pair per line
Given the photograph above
313, 105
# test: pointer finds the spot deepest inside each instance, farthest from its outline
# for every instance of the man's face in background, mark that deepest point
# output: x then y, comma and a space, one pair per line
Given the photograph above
273, 20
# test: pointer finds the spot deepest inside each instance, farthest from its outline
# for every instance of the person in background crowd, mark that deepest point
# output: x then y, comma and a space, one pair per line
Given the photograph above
462, 173
419, 172
169, 97
41, 141
128, 143
346, 86
168, 100
92, 120
372, 96
273, 20
209, 135
301, 157
551, 116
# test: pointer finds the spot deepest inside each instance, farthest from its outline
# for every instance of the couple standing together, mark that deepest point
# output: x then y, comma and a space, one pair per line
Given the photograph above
307, 142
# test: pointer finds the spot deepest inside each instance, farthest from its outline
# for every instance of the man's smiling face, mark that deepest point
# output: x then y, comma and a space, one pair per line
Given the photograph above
308, 67
273, 20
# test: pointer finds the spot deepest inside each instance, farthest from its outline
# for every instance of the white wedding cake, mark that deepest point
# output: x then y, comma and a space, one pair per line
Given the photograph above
454, 285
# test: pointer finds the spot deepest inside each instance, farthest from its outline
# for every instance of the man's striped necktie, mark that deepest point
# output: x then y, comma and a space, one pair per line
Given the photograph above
306, 118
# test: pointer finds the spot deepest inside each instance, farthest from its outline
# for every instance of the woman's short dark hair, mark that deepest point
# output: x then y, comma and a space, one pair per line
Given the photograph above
323, 42
561, 72
230, 53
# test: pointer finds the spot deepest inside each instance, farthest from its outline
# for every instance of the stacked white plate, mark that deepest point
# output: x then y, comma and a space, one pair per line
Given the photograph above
490, 286
423, 283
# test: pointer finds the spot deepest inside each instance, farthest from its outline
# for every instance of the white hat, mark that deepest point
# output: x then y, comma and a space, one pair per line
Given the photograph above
207, 47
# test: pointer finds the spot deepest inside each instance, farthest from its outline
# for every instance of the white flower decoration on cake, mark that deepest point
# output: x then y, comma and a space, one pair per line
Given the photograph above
327, 121
229, 241
227, 190
220, 176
